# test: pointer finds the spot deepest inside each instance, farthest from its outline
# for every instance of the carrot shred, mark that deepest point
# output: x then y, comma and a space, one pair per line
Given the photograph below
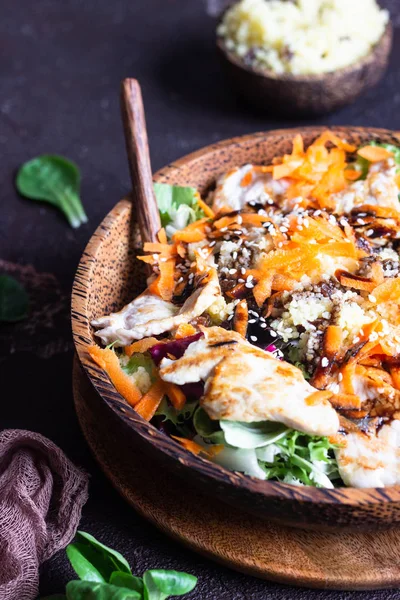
347, 379
161, 248
332, 341
374, 153
107, 360
162, 236
345, 401
164, 284
395, 373
195, 448
388, 290
194, 232
247, 179
149, 403
207, 210
241, 318
318, 397
262, 290
352, 174
184, 330
141, 345
176, 395
355, 282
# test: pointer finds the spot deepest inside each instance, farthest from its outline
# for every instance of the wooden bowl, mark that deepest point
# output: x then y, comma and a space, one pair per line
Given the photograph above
108, 277
306, 95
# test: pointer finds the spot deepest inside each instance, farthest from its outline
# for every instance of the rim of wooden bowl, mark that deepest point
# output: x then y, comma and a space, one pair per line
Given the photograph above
383, 45
149, 433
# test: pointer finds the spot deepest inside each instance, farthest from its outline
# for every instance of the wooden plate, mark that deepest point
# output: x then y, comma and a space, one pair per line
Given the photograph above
344, 561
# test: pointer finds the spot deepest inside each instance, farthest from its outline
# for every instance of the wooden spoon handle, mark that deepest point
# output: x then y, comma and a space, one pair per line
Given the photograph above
137, 148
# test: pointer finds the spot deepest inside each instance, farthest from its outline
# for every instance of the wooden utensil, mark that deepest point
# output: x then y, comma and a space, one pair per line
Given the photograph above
137, 148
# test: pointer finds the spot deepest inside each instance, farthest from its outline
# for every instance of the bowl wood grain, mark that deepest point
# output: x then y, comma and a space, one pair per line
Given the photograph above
108, 277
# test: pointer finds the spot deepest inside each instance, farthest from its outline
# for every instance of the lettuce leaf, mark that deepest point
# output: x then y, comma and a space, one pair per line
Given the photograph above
177, 205
176, 417
361, 164
209, 430
252, 435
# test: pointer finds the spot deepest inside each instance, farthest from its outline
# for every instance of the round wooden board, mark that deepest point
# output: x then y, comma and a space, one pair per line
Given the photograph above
342, 561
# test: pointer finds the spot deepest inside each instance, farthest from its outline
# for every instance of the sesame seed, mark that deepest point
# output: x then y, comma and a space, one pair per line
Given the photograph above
253, 338
234, 255
249, 285
343, 222
230, 317
326, 315
212, 243
317, 213
324, 362
180, 280
340, 377
336, 389
283, 229
240, 280
243, 271
249, 278
356, 340
163, 260
371, 298
369, 232
239, 220
270, 201
155, 256
224, 229
251, 321
273, 334
232, 271
361, 221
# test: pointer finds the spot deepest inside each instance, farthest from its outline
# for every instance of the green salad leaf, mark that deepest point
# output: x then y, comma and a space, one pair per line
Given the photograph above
93, 561
92, 590
177, 205
14, 301
252, 435
209, 430
176, 417
56, 180
160, 584
136, 361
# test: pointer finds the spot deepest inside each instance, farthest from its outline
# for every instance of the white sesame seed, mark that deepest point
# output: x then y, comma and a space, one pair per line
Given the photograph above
273, 334
249, 285
243, 271
283, 229
240, 280
326, 315
356, 340
251, 321
340, 377
360, 221
280, 244
372, 298
163, 259
324, 362
234, 255
253, 338
180, 280
336, 389
263, 325
224, 229
250, 277
343, 222
232, 271
212, 243
317, 213
369, 232
239, 220
155, 256
230, 317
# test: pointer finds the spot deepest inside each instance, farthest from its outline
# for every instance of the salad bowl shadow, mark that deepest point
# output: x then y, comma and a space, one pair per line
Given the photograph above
108, 277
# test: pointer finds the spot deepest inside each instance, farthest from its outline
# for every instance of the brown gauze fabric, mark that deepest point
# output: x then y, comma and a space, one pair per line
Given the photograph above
41, 499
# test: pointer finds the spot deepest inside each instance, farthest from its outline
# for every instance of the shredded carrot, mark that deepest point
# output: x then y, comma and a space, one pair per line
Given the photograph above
347, 379
176, 395
195, 448
374, 153
241, 318
164, 284
283, 283
345, 401
355, 282
247, 179
388, 290
332, 341
162, 236
377, 274
157, 247
108, 361
318, 397
207, 210
194, 232
141, 346
352, 174
180, 249
149, 403
184, 330
148, 259
263, 288
395, 373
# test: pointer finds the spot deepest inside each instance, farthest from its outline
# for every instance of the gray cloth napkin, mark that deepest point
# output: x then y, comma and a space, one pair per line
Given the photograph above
41, 498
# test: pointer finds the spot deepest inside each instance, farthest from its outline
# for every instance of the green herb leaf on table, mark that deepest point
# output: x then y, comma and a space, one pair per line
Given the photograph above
14, 301
177, 205
93, 561
56, 180
92, 590
159, 584
126, 580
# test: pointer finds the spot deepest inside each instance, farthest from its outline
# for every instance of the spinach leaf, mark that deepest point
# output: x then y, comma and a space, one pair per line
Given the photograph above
177, 205
54, 179
126, 580
13, 300
92, 561
208, 429
91, 590
159, 584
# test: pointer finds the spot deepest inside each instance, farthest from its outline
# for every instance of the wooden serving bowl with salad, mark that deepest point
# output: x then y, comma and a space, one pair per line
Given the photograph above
110, 275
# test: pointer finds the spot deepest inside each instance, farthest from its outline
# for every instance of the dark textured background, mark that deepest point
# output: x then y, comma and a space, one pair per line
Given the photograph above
61, 63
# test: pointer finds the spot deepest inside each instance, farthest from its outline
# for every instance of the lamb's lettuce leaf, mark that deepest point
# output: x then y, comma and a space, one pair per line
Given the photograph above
178, 206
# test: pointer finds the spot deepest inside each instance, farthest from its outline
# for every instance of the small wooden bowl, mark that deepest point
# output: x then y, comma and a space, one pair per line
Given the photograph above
307, 95
108, 277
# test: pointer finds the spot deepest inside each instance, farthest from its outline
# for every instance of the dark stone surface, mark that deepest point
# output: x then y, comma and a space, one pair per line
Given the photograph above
61, 64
